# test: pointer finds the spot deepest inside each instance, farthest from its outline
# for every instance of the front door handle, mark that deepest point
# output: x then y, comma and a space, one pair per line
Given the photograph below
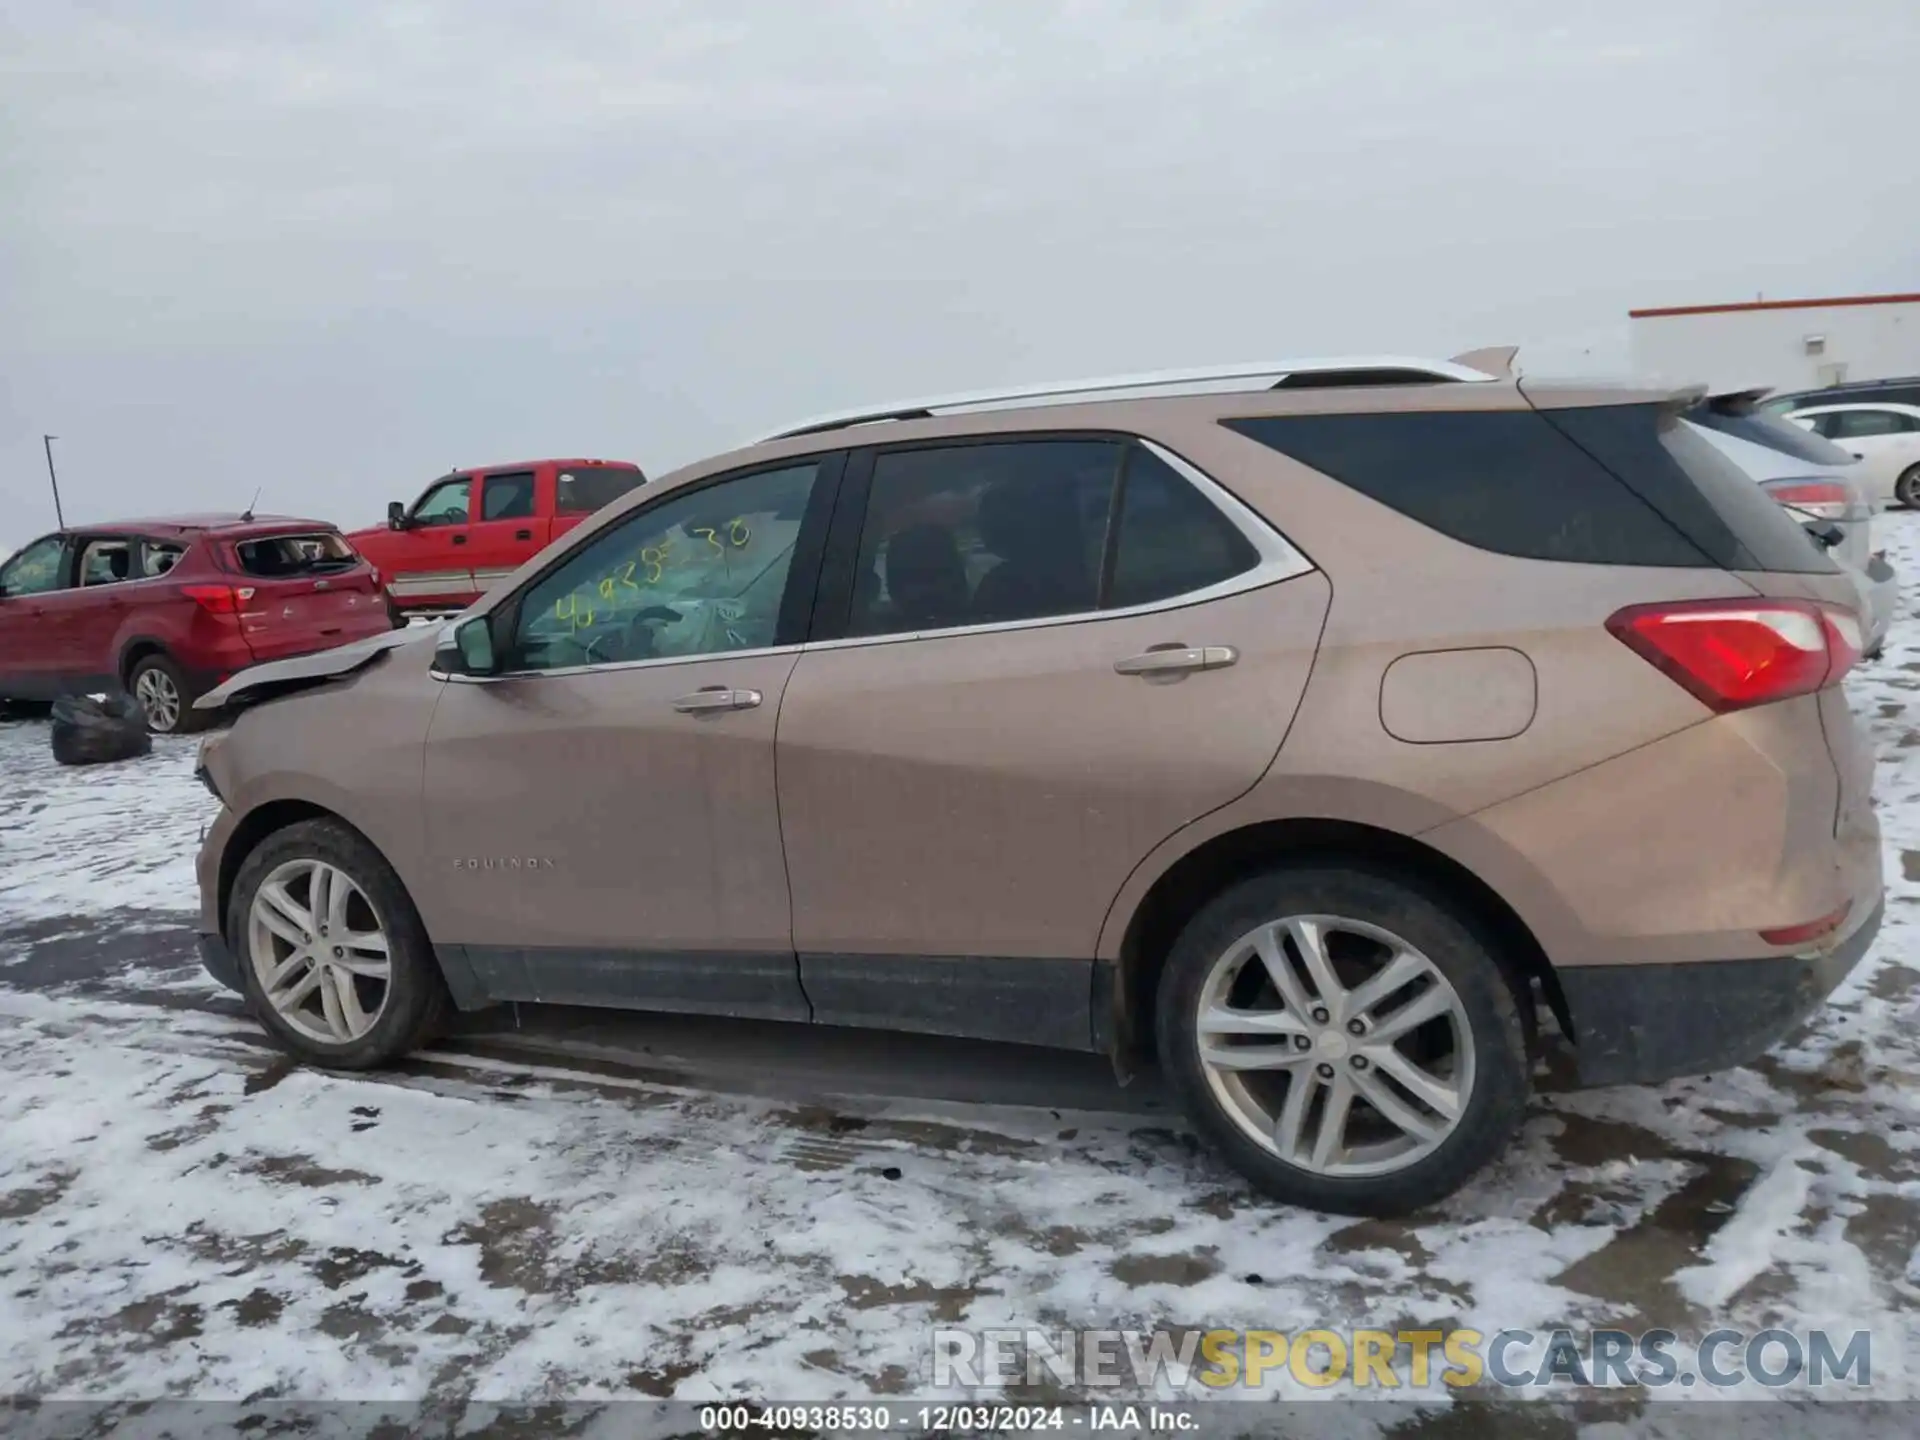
459, 539
1177, 659
717, 697
523, 534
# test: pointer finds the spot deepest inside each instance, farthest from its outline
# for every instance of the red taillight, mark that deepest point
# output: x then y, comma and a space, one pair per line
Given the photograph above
218, 599
1827, 499
1730, 654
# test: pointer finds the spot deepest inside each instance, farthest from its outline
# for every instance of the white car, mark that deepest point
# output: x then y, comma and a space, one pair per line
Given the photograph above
1816, 480
1883, 435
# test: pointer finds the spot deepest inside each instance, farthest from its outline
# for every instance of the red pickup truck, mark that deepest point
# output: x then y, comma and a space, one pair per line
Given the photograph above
474, 527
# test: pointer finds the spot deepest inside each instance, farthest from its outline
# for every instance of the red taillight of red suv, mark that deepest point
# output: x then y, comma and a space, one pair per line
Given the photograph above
1731, 654
219, 599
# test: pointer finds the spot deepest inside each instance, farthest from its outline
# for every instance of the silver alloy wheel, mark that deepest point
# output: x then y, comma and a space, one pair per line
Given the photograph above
1335, 1045
159, 699
319, 951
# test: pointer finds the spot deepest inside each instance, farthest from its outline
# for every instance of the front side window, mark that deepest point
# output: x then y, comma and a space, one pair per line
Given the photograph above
507, 497
444, 504
701, 573
36, 569
982, 534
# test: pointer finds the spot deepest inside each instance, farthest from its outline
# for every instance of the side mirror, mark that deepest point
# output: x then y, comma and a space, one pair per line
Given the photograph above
1825, 533
396, 515
474, 640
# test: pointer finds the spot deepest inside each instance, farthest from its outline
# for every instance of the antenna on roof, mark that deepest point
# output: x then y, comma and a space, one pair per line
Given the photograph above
247, 514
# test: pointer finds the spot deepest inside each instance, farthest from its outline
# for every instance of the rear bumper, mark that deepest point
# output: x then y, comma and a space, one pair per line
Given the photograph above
1639, 1023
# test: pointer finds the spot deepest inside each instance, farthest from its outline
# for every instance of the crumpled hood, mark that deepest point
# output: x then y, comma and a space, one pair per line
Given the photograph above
304, 670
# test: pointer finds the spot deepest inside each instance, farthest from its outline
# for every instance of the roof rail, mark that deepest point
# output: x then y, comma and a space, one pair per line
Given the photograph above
1268, 375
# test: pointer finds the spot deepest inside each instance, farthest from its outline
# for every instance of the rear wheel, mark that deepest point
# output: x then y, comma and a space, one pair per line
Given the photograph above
161, 690
333, 958
1907, 488
1347, 1042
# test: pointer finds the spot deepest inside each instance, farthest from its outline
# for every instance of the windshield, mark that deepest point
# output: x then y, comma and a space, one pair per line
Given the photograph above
1773, 432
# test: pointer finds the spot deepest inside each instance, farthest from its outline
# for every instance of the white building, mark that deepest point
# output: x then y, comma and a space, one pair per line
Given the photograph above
1785, 344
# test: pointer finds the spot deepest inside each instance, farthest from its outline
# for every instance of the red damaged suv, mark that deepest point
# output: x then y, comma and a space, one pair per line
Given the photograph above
167, 609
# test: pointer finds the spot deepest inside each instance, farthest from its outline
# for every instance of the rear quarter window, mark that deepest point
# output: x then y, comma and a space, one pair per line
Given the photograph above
582, 491
1609, 485
1711, 499
1505, 480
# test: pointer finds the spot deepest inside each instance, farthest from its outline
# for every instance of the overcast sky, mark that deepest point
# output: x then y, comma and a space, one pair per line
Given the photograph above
330, 250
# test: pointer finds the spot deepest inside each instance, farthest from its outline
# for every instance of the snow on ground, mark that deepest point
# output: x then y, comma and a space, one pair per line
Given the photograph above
187, 1215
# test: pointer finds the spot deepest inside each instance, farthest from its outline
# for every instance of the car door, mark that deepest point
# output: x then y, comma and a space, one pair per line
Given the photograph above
87, 618
1037, 659
603, 815
1881, 439
428, 560
505, 532
29, 655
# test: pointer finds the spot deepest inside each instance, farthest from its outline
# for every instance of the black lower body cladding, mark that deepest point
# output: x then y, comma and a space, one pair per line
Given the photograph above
1636, 1024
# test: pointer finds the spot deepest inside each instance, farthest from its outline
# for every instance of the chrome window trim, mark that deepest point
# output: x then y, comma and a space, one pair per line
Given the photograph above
658, 662
1278, 560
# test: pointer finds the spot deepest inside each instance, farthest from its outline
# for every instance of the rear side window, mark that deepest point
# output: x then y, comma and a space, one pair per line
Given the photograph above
507, 497
1859, 424
1169, 538
1611, 485
316, 553
1771, 431
585, 490
983, 533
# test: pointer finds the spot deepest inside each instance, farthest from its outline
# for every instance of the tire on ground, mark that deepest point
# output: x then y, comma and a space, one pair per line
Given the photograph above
1492, 1111
86, 731
1906, 490
187, 719
417, 1003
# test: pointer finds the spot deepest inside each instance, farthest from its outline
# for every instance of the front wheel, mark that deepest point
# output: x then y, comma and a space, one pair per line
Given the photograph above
1906, 489
1346, 1042
333, 958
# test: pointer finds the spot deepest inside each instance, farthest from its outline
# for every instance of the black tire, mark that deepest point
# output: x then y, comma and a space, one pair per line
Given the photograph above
1493, 1109
187, 719
1906, 490
417, 1003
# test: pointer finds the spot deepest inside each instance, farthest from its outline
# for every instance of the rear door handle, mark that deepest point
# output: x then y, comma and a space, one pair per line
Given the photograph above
523, 534
1176, 659
717, 697
459, 539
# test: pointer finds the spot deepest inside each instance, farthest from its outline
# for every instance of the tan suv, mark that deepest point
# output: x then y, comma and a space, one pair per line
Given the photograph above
1322, 727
